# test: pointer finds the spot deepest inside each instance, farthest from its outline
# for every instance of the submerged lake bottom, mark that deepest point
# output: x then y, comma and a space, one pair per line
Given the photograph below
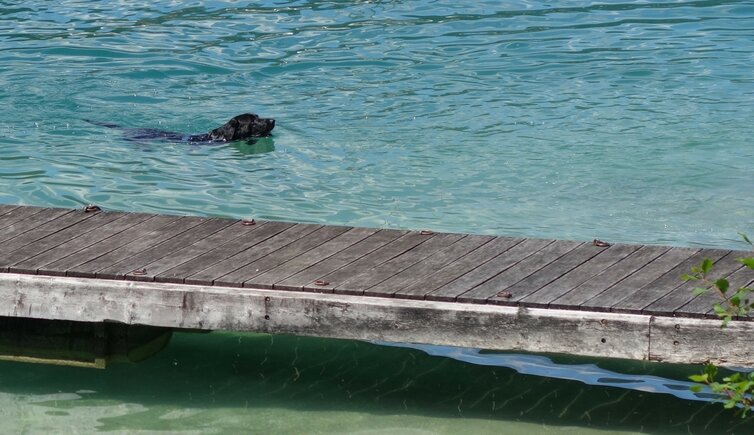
254, 383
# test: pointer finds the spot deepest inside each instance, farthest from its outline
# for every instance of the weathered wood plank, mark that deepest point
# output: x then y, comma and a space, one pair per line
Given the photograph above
48, 228
488, 270
606, 279
650, 272
549, 273
14, 214
34, 264
28, 258
339, 260
30, 219
702, 304
454, 270
373, 276
6, 208
486, 292
577, 276
373, 259
272, 277
681, 340
419, 271
201, 245
281, 256
140, 259
255, 235
326, 315
244, 257
671, 279
741, 278
127, 235
146, 241
670, 303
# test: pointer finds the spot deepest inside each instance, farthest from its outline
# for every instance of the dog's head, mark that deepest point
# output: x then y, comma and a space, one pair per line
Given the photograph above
242, 127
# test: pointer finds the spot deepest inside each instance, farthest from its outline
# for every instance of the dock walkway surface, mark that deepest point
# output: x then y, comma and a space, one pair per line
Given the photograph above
584, 298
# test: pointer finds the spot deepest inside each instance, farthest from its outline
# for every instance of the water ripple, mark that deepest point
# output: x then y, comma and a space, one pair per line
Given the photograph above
627, 121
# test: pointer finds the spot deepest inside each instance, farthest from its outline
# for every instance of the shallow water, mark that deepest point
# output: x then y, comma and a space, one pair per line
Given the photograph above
625, 121
266, 384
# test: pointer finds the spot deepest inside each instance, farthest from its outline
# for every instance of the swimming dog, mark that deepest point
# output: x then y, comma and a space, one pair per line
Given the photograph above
244, 126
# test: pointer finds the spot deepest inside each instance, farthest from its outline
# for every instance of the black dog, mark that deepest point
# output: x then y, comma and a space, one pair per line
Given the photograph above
245, 126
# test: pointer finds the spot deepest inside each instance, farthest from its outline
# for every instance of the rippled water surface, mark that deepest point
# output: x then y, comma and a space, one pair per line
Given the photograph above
627, 121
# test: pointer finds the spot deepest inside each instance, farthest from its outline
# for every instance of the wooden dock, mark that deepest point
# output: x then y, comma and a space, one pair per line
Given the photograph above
624, 301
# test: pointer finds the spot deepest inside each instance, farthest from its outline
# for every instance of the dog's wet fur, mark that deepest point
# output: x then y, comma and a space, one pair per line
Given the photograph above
244, 126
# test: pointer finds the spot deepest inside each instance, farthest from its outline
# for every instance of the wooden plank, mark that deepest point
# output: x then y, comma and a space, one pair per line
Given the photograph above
684, 340
418, 272
547, 274
179, 256
86, 239
579, 275
486, 291
144, 241
147, 229
488, 270
29, 220
374, 258
6, 208
646, 295
281, 256
612, 275
671, 303
641, 277
454, 270
46, 229
701, 305
140, 259
14, 214
339, 260
359, 283
327, 315
26, 259
209, 275
272, 277
741, 278
256, 234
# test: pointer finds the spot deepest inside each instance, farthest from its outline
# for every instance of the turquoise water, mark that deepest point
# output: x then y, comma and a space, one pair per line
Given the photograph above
625, 121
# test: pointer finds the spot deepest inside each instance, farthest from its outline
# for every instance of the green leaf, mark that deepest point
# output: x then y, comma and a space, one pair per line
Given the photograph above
700, 291
710, 370
748, 262
735, 300
696, 388
706, 265
687, 277
699, 378
722, 284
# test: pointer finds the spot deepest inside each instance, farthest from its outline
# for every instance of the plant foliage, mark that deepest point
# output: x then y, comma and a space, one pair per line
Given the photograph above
738, 388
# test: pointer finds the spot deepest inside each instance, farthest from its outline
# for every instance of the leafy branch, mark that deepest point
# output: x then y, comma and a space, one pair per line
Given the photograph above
738, 388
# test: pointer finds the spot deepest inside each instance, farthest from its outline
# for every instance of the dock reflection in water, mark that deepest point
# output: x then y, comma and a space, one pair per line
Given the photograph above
224, 382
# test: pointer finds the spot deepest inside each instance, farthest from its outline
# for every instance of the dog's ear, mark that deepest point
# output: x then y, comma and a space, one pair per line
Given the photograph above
226, 132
